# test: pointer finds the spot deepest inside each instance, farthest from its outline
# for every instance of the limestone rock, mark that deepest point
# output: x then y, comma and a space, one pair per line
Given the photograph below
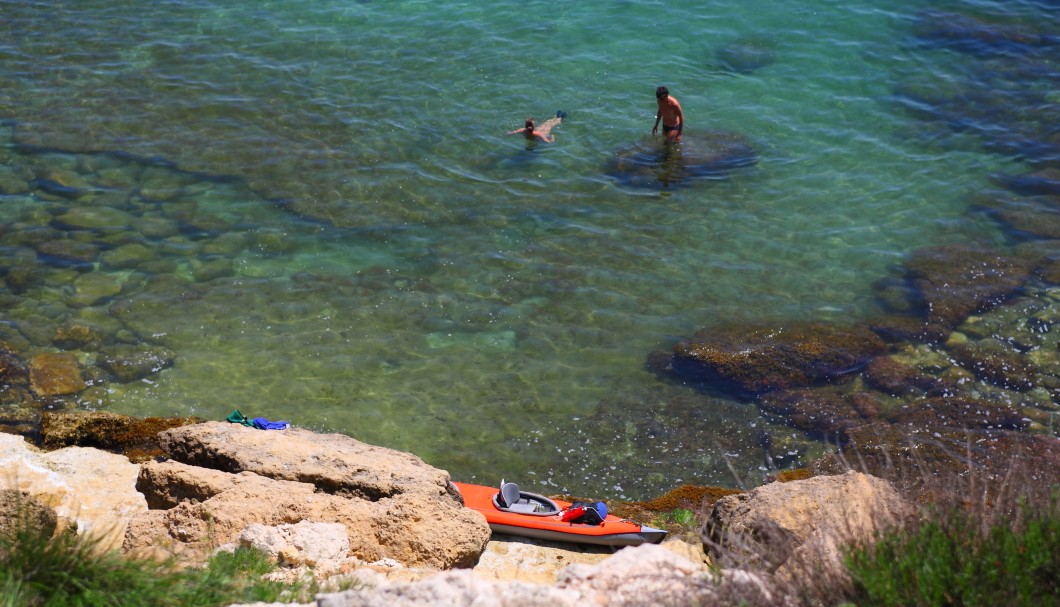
167, 484
304, 543
797, 527
335, 463
644, 575
509, 558
227, 476
453, 588
634, 576
89, 489
19, 510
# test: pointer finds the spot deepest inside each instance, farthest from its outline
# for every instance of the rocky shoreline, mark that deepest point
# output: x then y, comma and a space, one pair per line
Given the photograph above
384, 521
961, 373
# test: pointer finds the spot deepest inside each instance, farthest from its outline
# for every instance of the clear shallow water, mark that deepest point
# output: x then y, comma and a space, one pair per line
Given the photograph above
442, 289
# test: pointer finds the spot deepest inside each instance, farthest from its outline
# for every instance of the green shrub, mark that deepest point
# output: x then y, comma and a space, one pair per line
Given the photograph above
953, 560
37, 570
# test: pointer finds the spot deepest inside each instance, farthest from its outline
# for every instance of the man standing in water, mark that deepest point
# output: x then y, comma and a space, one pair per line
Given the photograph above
544, 132
670, 113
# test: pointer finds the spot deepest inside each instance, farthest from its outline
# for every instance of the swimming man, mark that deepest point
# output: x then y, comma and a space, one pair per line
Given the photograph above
673, 119
543, 132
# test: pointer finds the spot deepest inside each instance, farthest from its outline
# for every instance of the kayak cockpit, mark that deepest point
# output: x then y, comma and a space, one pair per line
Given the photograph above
511, 499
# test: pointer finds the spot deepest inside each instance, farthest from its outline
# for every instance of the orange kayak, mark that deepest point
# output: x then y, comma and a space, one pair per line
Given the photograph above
517, 512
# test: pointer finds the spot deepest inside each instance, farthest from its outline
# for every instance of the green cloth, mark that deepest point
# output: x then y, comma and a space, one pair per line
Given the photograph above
238, 418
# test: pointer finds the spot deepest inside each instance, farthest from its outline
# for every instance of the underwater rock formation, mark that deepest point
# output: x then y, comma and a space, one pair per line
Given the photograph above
754, 360
1045, 181
954, 281
968, 34
653, 163
817, 412
899, 379
746, 54
134, 437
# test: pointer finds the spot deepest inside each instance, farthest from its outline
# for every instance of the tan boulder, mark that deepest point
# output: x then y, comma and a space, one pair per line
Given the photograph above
20, 511
166, 484
798, 528
460, 587
91, 490
392, 504
218, 506
303, 543
633, 577
334, 463
508, 557
650, 574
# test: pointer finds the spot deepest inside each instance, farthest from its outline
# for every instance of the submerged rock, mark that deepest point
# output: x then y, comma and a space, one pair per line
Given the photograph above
654, 163
746, 54
132, 436
992, 361
92, 288
11, 182
65, 252
127, 256
1045, 181
1027, 218
959, 413
130, 363
975, 36
55, 374
78, 334
817, 412
930, 465
898, 379
95, 218
954, 281
758, 359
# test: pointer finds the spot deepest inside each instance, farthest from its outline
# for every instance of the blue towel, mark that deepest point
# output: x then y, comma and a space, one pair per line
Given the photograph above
263, 424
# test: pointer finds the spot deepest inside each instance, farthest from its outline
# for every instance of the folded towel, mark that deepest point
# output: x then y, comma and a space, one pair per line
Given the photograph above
263, 424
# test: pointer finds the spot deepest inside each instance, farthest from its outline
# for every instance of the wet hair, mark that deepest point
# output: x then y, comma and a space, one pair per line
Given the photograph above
529, 123
661, 92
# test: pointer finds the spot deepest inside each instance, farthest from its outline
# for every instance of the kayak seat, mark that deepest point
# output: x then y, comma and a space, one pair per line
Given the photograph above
512, 499
509, 495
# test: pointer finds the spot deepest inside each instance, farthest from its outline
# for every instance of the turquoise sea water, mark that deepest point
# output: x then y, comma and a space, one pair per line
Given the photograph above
405, 273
